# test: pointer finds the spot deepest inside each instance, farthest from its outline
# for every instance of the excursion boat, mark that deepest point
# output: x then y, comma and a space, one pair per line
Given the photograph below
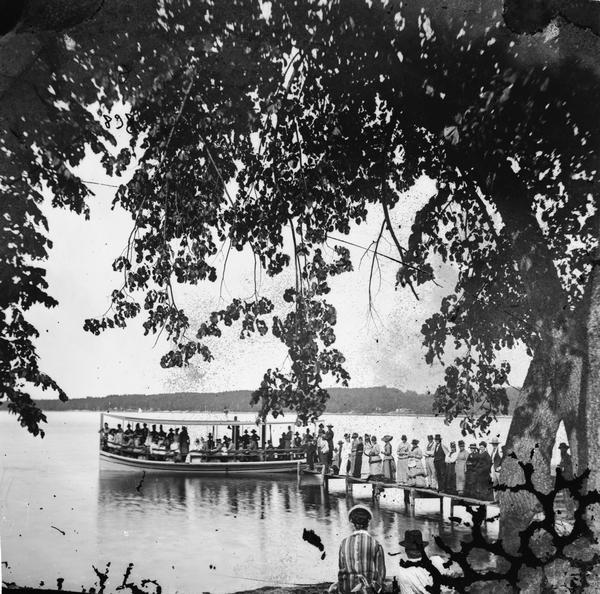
209, 457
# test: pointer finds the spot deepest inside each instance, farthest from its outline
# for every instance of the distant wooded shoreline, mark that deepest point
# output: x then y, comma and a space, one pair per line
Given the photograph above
375, 400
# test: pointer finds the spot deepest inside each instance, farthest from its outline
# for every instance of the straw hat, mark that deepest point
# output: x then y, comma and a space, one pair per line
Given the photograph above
359, 510
386, 438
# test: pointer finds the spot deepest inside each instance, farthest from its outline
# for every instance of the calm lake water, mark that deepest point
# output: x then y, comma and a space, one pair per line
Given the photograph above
61, 515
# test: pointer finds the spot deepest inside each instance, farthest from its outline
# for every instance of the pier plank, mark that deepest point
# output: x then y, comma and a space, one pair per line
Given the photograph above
411, 493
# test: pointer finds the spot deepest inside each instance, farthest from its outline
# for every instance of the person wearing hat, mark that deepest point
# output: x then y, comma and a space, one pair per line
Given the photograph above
184, 443
460, 467
496, 465
450, 482
323, 452
375, 461
565, 465
310, 448
174, 445
361, 558
297, 440
218, 446
416, 579
353, 445
360, 447
210, 442
416, 453
366, 452
484, 476
336, 463
417, 476
225, 445
389, 466
253, 440
171, 440
566, 462
154, 432
403, 453
471, 472
104, 433
440, 451
429, 465
345, 455
329, 438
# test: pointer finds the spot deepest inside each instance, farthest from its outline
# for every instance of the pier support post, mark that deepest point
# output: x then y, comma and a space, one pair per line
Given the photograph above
412, 501
442, 506
348, 486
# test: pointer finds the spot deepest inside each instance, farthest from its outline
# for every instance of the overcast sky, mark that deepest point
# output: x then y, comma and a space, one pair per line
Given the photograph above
382, 348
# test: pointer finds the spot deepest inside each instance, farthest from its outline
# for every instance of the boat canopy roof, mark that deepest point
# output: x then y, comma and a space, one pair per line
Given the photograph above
188, 422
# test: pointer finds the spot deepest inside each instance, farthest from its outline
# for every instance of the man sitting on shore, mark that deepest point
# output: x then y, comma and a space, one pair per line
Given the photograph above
416, 579
361, 557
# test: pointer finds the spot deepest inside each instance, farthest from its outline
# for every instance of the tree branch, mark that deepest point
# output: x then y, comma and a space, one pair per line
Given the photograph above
388, 222
373, 263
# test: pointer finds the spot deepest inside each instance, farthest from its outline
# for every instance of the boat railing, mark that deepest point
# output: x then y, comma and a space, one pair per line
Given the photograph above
241, 454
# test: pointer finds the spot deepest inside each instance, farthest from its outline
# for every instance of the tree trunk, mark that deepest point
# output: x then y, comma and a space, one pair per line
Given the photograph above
550, 393
590, 412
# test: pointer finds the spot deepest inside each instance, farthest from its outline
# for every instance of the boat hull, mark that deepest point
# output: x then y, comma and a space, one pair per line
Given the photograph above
110, 461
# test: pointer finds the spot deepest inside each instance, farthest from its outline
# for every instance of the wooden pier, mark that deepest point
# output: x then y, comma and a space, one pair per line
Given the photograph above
411, 493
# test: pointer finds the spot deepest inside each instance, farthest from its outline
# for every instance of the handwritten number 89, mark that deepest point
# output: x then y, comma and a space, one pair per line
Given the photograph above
119, 122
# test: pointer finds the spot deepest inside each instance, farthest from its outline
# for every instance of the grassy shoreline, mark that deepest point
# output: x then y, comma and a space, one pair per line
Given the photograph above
305, 589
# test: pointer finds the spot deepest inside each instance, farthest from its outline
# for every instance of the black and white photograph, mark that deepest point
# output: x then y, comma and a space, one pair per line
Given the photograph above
299, 296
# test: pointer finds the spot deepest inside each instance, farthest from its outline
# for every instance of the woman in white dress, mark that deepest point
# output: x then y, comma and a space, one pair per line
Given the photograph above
366, 451
345, 457
375, 461
389, 466
403, 452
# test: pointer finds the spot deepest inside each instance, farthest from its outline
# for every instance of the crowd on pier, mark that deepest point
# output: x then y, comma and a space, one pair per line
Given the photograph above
453, 469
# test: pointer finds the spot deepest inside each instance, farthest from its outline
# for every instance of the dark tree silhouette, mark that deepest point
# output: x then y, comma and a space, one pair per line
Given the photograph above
323, 114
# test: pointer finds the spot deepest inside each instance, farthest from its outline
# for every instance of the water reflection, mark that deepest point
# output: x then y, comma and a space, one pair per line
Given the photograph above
252, 520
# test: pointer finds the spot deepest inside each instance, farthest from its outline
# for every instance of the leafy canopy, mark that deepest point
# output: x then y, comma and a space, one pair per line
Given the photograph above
322, 112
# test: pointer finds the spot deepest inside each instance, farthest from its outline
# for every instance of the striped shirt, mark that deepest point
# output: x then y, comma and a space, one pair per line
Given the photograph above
360, 555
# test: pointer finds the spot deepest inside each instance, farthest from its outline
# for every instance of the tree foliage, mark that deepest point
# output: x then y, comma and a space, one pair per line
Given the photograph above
322, 114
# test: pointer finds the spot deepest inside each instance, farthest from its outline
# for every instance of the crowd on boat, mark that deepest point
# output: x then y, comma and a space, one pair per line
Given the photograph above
175, 444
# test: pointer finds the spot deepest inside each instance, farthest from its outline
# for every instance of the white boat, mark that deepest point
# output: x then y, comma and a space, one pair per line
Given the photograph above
261, 460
